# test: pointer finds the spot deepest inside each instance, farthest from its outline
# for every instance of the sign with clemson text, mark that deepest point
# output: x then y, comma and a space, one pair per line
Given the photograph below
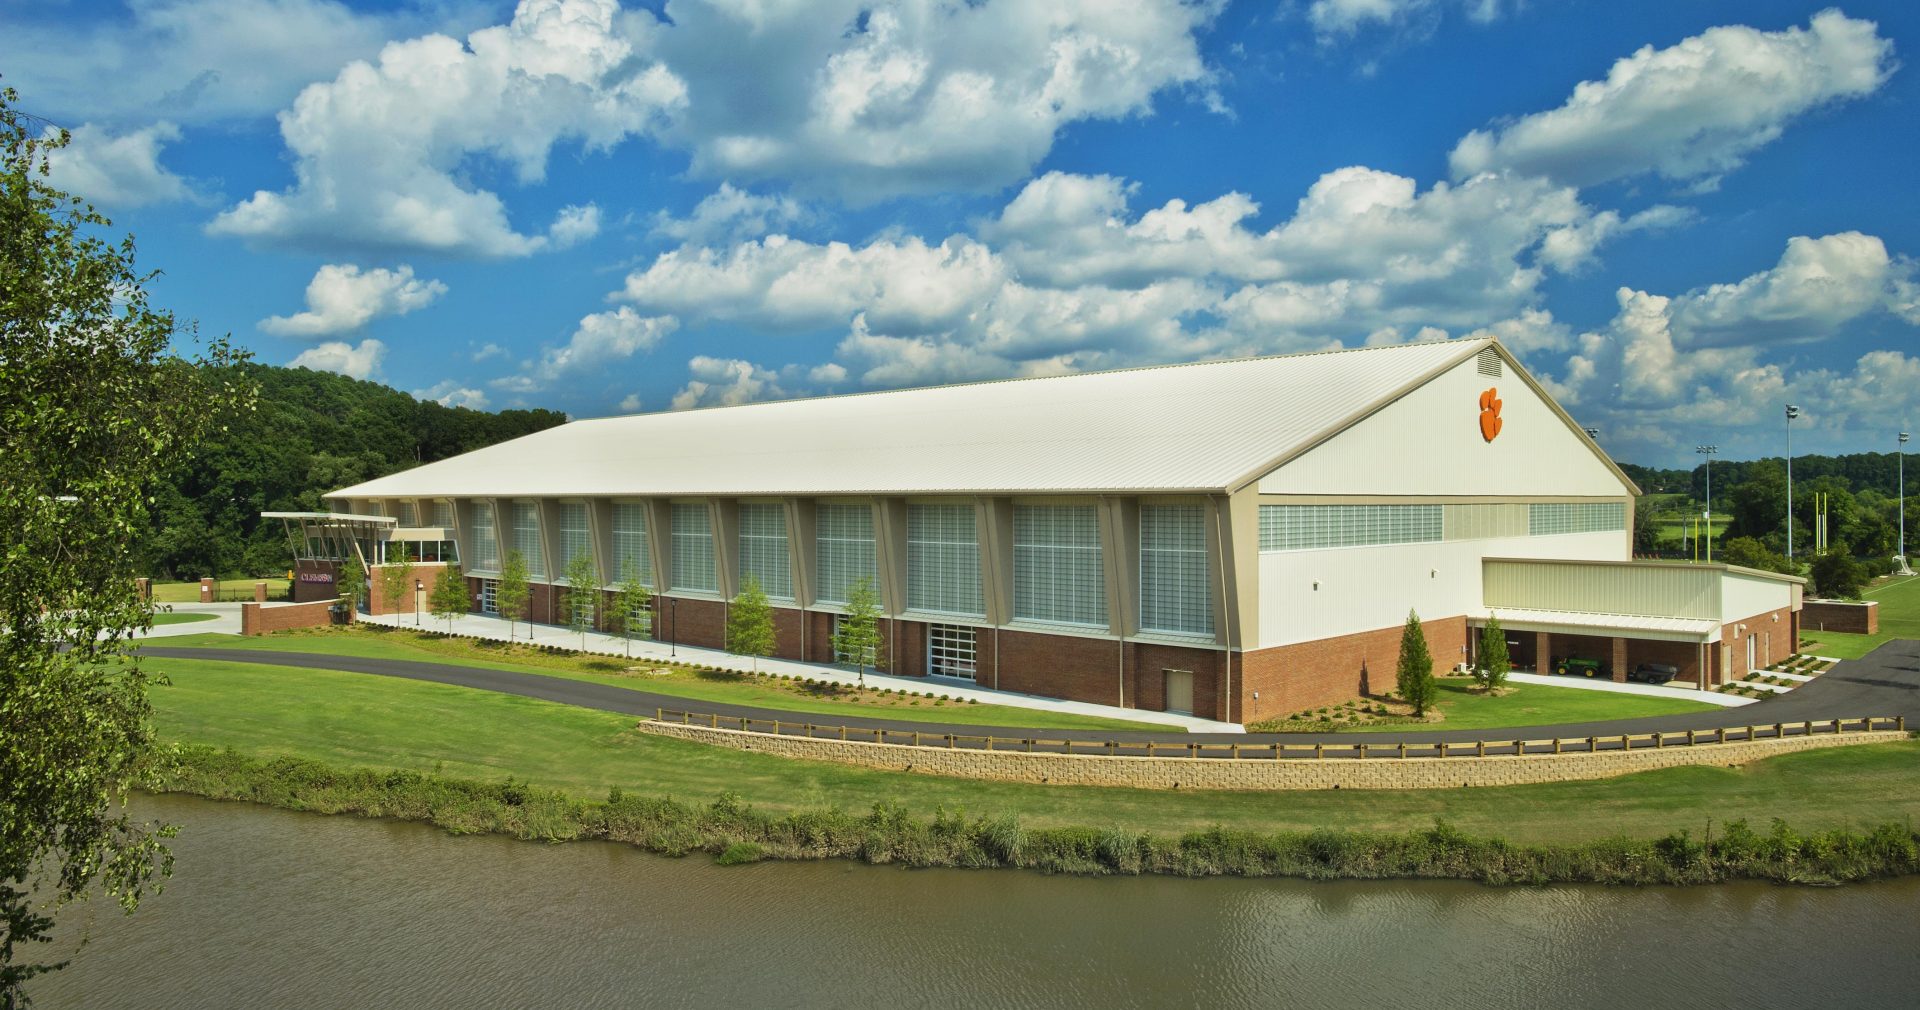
1490, 413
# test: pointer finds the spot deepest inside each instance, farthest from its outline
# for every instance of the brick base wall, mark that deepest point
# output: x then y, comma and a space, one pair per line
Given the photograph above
315, 580
377, 602
1838, 615
1294, 678
261, 618
1246, 774
1773, 634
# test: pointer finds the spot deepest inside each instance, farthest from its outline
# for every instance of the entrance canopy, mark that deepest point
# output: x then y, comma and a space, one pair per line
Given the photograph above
333, 536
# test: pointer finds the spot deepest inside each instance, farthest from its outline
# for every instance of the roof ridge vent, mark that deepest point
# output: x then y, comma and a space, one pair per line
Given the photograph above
1489, 363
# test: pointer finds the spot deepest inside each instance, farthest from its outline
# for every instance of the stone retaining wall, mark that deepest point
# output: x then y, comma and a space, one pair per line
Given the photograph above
1255, 774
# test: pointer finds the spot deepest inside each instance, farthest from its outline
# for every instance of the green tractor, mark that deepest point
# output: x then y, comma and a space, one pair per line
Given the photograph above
1581, 666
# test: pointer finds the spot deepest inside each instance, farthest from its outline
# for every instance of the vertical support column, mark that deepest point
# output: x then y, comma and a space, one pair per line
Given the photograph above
1113, 554
724, 517
259, 592
890, 548
1619, 660
800, 551
660, 543
1542, 653
206, 590
995, 519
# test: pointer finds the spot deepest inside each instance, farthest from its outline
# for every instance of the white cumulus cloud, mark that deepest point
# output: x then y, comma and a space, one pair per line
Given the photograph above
1691, 112
381, 151
343, 297
450, 393
729, 214
597, 346
117, 170
359, 361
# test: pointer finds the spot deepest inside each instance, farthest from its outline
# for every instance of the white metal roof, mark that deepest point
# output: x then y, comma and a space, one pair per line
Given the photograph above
1193, 427
1517, 619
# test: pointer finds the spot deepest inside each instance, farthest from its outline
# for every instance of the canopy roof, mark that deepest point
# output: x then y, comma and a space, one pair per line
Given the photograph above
1202, 427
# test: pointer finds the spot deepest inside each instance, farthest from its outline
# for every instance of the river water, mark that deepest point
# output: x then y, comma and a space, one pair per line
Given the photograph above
275, 909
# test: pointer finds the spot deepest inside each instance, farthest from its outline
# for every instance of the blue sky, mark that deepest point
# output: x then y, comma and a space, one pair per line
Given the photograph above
1681, 216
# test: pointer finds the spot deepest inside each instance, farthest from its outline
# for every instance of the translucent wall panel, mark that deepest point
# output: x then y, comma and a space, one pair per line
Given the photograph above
575, 541
1547, 519
1176, 593
763, 548
443, 513
632, 554
486, 547
943, 560
1058, 572
526, 536
1316, 527
843, 550
693, 566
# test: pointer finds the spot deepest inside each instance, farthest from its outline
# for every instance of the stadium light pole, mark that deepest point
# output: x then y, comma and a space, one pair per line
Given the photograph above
1792, 412
1709, 451
1903, 501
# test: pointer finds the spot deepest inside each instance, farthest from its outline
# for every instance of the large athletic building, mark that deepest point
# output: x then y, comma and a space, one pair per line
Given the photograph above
1239, 539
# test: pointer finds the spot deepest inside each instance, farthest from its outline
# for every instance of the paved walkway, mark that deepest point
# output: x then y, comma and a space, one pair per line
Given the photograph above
226, 620
495, 629
1885, 683
1644, 690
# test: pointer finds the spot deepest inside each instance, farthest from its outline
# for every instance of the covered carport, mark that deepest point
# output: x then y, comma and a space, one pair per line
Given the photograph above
1536, 638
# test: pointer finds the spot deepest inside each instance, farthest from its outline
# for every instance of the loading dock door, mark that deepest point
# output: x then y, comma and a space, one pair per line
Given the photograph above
1179, 691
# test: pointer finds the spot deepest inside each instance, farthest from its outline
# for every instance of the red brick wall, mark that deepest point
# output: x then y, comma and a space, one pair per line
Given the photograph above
307, 591
1059, 666
1773, 639
261, 618
377, 602
1294, 678
701, 622
1834, 615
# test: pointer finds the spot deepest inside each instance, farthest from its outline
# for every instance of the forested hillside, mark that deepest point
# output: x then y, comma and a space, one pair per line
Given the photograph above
313, 432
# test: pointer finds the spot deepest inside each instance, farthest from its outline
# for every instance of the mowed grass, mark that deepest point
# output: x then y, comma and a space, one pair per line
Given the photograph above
371, 642
180, 618
355, 719
1466, 707
1899, 599
189, 592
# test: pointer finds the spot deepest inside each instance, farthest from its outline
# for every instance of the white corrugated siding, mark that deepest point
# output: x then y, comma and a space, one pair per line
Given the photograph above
1650, 590
1184, 427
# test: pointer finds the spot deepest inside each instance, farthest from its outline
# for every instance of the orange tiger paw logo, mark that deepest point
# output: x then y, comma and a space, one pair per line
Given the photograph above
1490, 413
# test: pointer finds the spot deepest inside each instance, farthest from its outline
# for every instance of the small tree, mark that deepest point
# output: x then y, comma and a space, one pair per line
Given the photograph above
396, 577
1838, 577
633, 608
857, 640
510, 597
1414, 676
352, 582
750, 623
449, 597
1491, 671
583, 594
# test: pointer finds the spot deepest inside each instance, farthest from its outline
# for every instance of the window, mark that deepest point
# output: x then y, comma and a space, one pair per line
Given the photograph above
763, 548
1175, 593
693, 566
1547, 519
443, 513
950, 651
1058, 573
406, 513
843, 550
943, 560
486, 547
632, 554
526, 536
1316, 527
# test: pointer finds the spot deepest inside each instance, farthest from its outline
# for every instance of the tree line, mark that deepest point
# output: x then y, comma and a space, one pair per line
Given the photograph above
311, 432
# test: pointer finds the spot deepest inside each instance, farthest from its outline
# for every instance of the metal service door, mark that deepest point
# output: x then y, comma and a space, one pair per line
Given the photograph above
1179, 691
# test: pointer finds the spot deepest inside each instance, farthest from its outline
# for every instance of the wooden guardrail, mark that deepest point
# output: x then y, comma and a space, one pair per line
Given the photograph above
1358, 750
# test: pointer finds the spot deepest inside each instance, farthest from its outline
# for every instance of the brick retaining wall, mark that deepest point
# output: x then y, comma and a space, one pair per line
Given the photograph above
1841, 615
1253, 774
261, 618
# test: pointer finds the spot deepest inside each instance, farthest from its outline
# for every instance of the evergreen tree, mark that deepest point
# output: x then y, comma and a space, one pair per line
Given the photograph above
1414, 675
857, 640
95, 410
750, 623
583, 594
1494, 665
511, 595
396, 577
449, 597
632, 607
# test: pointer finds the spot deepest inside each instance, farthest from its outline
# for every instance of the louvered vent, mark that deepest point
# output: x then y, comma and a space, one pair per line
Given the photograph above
1490, 362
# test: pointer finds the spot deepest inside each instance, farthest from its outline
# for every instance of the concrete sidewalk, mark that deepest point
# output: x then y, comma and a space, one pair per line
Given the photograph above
1645, 690
496, 629
226, 620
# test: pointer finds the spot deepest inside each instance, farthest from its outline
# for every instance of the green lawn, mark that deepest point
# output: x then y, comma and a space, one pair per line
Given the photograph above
1535, 705
354, 719
181, 618
189, 592
736, 689
1899, 618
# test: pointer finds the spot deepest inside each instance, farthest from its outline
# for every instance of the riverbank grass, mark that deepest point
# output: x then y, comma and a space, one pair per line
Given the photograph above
355, 720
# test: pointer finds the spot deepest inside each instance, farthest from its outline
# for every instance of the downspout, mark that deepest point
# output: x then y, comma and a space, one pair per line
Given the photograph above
1226, 608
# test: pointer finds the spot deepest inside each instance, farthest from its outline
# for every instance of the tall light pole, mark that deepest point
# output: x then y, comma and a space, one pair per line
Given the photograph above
1792, 412
1709, 451
1903, 503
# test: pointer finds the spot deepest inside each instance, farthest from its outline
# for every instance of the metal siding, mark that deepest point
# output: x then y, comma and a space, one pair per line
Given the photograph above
1654, 591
